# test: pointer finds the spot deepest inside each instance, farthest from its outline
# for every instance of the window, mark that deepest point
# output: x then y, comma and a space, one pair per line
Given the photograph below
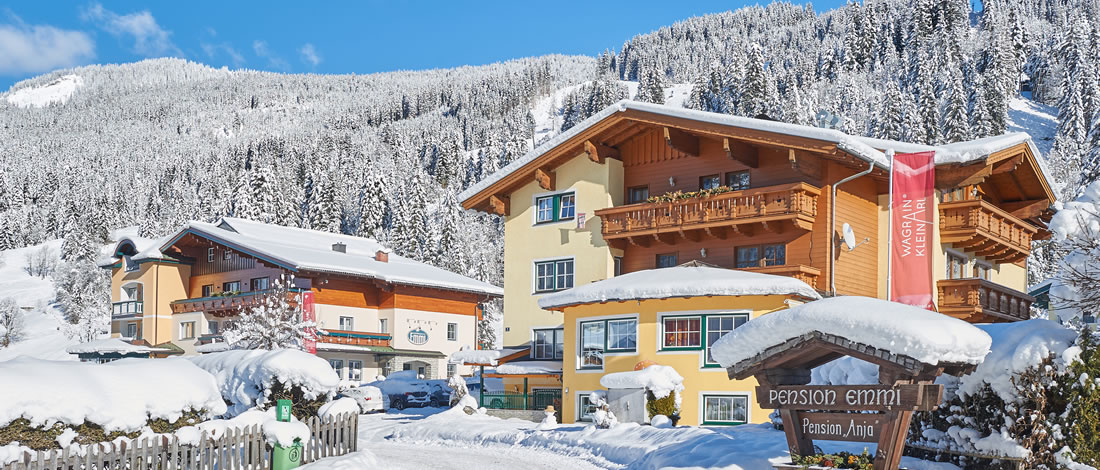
981, 271
212, 327
210, 255
709, 182
259, 283
719, 325
737, 180
666, 260
452, 332
725, 409
338, 366
956, 266
592, 344
637, 194
234, 286
553, 275
548, 344
355, 370
585, 408
556, 207
682, 332
347, 323
131, 330
618, 265
226, 253
622, 335
764, 255
383, 325
208, 290
132, 292
451, 369
187, 330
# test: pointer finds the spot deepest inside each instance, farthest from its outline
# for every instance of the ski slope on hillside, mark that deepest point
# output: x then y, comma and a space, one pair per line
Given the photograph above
57, 91
548, 113
1037, 119
44, 328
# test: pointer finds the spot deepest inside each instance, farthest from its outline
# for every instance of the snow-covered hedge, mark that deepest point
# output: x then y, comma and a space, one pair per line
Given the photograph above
250, 378
62, 401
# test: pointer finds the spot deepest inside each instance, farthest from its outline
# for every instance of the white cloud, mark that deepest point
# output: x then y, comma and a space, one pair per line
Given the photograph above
273, 60
309, 54
40, 48
149, 38
212, 51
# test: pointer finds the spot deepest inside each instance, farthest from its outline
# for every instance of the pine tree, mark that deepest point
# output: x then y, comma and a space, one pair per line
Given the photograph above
954, 122
324, 210
651, 87
83, 292
374, 207
754, 87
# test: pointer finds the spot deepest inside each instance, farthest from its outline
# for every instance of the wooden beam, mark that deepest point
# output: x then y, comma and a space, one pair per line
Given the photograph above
717, 232
639, 241
682, 141
953, 176
598, 152
1007, 165
742, 152
545, 178
690, 235
498, 204
1026, 209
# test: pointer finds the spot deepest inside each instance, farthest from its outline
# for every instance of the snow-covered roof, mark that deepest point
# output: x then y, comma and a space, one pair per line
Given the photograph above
530, 367
661, 380
679, 281
112, 345
145, 249
903, 330
864, 148
311, 250
482, 356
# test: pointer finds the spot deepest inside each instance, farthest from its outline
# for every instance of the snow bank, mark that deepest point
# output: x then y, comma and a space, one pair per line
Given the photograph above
353, 461
661, 380
119, 396
468, 355
44, 327
680, 281
923, 335
338, 407
530, 367
245, 377
1017, 347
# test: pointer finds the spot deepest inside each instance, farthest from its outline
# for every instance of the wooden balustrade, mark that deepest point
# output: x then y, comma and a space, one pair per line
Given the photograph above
353, 338
986, 230
807, 274
982, 301
771, 207
227, 305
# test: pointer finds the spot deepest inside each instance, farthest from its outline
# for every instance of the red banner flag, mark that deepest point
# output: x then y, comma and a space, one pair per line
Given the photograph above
310, 342
912, 187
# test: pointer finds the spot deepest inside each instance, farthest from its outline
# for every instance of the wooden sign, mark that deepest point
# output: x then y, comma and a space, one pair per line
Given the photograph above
858, 427
919, 397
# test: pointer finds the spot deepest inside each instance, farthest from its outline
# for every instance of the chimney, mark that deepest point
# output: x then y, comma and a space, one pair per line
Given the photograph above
382, 256
340, 247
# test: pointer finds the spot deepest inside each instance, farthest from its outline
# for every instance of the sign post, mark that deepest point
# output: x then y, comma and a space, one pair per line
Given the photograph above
283, 458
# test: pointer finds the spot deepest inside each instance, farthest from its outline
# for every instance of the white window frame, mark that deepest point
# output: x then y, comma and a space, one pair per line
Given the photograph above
358, 370
539, 210
452, 331
212, 327
579, 406
347, 323
706, 329
572, 206
555, 334
183, 328
134, 326
579, 337
210, 255
747, 395
607, 333
554, 262
339, 370
661, 346
451, 369
535, 220
384, 325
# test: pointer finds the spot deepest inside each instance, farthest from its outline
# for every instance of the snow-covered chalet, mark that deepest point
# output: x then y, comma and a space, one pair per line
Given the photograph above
376, 312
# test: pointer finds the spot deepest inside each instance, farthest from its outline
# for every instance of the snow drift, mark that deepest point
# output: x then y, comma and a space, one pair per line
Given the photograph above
245, 378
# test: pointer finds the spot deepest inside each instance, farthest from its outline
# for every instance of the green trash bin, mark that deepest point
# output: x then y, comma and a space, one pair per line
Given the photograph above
284, 458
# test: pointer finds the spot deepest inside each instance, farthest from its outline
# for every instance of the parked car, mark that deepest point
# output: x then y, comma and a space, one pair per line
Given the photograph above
404, 390
369, 398
441, 393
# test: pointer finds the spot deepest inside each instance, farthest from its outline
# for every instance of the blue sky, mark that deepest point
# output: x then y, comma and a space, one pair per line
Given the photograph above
362, 37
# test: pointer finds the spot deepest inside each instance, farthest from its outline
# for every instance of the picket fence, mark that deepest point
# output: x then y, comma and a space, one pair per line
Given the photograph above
238, 449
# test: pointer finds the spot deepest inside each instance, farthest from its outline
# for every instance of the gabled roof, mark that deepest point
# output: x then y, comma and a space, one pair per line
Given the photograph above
868, 150
298, 249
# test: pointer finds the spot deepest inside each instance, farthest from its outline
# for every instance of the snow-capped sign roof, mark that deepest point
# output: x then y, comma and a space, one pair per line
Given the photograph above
112, 345
864, 148
311, 250
482, 356
679, 281
659, 379
530, 367
903, 330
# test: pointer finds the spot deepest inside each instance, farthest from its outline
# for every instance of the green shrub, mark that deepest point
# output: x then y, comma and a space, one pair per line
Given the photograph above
302, 408
660, 406
189, 418
36, 438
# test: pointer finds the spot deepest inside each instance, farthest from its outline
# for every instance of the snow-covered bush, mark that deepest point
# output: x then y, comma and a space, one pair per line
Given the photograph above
1031, 398
256, 378
11, 322
272, 324
47, 404
41, 262
83, 290
1076, 235
458, 388
602, 417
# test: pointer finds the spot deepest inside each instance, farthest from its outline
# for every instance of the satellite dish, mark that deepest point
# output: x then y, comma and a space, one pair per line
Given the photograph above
849, 236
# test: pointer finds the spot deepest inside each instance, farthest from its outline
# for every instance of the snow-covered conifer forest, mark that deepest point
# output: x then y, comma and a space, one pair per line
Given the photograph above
158, 142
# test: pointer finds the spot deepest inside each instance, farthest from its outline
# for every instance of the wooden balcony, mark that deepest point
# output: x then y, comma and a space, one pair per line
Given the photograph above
226, 305
773, 208
807, 274
986, 230
353, 338
980, 301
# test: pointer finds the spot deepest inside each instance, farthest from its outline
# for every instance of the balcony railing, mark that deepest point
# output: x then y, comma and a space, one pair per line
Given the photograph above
807, 274
768, 206
128, 308
981, 301
980, 227
226, 304
353, 338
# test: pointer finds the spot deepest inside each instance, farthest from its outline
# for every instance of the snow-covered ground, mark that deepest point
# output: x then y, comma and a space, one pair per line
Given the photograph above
1038, 120
44, 335
57, 91
429, 438
547, 110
